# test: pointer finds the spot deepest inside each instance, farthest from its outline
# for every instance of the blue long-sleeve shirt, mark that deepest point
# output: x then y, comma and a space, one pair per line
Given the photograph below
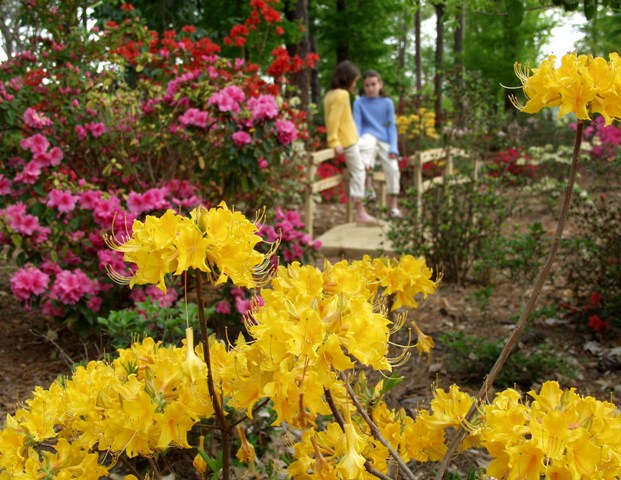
376, 115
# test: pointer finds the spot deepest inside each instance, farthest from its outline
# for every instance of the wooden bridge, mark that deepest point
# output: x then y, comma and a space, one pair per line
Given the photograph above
351, 240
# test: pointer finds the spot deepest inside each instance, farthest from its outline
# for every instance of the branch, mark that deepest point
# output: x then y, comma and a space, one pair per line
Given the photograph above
375, 430
523, 320
217, 406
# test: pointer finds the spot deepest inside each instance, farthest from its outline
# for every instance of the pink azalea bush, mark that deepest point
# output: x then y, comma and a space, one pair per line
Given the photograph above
84, 153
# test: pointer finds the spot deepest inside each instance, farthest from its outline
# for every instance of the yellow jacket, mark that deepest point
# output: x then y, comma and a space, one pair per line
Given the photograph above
340, 126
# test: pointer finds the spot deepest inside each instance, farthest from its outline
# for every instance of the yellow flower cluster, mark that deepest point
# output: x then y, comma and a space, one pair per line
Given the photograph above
582, 85
316, 324
313, 325
216, 241
415, 124
145, 401
559, 435
326, 455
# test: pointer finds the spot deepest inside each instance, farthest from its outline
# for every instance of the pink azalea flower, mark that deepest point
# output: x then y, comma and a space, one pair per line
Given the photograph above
5, 185
241, 138
106, 210
94, 303
89, 199
25, 224
18, 208
34, 119
48, 308
36, 143
227, 99
69, 287
224, 307
263, 107
62, 200
30, 174
56, 155
80, 131
242, 305
112, 259
49, 267
49, 159
287, 131
194, 116
41, 234
97, 129
29, 281
136, 203
163, 299
155, 198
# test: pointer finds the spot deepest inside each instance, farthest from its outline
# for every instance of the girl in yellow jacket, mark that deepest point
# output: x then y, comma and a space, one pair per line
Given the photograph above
342, 135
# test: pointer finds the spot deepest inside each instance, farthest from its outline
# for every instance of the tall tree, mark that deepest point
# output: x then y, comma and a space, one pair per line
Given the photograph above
458, 52
439, 63
297, 13
418, 50
10, 26
494, 42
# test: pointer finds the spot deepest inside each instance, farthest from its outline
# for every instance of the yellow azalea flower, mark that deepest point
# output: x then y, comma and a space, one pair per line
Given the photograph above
246, 450
449, 408
352, 463
199, 463
527, 461
423, 442
581, 85
424, 343
193, 366
210, 240
192, 247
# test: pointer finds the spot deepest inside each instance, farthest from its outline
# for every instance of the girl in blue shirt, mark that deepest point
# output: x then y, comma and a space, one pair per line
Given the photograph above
374, 115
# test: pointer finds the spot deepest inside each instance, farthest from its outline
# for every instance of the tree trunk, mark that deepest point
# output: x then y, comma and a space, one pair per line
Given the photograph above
403, 47
342, 48
460, 120
299, 15
419, 53
437, 80
9, 27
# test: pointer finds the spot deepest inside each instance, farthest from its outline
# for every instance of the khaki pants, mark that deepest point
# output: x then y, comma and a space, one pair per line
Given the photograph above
370, 150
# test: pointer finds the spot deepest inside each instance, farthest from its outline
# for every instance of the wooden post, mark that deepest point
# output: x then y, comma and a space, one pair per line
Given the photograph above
418, 184
308, 200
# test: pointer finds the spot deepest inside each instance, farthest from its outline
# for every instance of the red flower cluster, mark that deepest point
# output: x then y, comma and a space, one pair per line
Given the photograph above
261, 9
283, 63
589, 311
506, 166
327, 170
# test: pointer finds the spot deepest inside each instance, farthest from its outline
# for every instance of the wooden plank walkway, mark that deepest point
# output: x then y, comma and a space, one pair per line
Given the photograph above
352, 242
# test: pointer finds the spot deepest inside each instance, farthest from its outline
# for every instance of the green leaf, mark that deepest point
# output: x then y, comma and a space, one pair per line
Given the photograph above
515, 11
391, 383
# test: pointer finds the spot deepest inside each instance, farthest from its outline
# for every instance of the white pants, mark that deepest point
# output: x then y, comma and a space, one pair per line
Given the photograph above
357, 171
370, 149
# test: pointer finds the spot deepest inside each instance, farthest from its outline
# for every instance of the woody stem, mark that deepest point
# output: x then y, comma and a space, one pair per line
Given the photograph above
523, 320
217, 405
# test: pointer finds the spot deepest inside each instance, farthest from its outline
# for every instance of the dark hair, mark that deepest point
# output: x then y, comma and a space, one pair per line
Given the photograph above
344, 75
373, 74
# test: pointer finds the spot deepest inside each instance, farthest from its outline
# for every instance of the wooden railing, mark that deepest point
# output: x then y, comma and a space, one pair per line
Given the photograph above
417, 161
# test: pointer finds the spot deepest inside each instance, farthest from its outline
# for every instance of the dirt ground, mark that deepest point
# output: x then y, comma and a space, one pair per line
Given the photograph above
35, 350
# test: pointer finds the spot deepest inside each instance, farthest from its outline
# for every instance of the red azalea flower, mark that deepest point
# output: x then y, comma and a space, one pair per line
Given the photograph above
597, 324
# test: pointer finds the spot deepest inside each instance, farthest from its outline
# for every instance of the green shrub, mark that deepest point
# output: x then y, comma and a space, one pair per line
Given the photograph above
592, 263
471, 358
149, 318
459, 225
